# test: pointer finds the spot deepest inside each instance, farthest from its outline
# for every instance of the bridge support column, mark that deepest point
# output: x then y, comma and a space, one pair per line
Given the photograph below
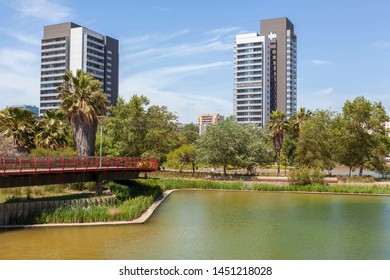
99, 184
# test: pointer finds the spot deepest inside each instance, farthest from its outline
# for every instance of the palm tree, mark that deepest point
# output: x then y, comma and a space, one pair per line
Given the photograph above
53, 130
19, 125
296, 121
82, 102
277, 125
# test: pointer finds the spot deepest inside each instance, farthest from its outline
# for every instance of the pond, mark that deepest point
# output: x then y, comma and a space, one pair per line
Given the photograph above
208, 225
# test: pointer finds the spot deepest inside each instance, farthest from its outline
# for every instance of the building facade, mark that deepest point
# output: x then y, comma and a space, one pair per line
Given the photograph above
68, 46
205, 120
265, 72
283, 61
252, 79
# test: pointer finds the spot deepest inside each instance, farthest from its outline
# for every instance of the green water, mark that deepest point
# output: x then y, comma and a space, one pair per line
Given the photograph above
224, 225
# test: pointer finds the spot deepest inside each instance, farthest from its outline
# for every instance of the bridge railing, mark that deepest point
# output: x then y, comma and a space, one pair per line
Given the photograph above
41, 165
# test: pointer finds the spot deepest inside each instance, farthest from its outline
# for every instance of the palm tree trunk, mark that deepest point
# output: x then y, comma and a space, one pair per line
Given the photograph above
84, 134
278, 161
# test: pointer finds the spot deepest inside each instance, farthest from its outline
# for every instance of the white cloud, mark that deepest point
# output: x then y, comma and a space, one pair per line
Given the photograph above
161, 86
384, 45
18, 61
25, 38
319, 61
42, 9
161, 9
19, 77
167, 76
137, 41
180, 50
325, 91
223, 30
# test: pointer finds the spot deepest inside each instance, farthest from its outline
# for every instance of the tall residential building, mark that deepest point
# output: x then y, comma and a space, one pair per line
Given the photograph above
283, 45
265, 72
252, 79
205, 120
68, 46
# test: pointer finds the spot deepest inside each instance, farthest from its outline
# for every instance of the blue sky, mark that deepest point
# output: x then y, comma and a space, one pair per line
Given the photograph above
180, 53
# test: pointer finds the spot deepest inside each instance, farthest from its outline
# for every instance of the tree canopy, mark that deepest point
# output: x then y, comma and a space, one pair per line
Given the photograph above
230, 143
19, 125
137, 129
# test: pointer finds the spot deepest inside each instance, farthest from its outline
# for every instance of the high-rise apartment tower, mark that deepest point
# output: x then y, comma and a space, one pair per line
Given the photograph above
68, 46
265, 72
283, 74
252, 79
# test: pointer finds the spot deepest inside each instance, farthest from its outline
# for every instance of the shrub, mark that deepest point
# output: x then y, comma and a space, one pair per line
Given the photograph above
127, 189
122, 192
305, 176
76, 186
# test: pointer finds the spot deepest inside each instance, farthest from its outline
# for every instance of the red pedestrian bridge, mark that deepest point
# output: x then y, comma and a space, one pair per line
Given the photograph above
30, 171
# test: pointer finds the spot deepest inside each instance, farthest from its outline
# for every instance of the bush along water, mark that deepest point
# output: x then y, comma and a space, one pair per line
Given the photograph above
305, 176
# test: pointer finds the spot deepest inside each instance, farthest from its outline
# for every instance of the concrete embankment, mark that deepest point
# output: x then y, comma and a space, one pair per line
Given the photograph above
22, 210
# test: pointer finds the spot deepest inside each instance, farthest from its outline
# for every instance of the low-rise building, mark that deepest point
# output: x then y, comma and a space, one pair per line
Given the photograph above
205, 120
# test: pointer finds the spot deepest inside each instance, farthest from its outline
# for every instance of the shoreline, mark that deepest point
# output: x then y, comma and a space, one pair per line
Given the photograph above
140, 220
148, 213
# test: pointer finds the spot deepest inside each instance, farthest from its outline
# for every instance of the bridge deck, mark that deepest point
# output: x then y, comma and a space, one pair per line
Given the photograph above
17, 166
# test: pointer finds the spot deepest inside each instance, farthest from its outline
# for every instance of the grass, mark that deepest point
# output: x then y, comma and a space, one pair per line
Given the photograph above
135, 199
373, 189
42, 193
170, 183
125, 211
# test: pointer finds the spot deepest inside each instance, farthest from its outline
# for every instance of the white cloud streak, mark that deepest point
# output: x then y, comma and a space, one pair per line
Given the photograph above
48, 10
160, 85
138, 41
19, 77
383, 45
325, 91
319, 61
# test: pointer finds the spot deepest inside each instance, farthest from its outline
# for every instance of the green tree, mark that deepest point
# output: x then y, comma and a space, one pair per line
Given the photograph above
317, 145
189, 134
277, 125
83, 102
230, 143
52, 130
362, 138
220, 145
182, 156
134, 129
161, 132
19, 125
257, 150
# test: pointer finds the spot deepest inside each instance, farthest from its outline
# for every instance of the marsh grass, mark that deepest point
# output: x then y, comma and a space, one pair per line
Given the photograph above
170, 183
41, 193
324, 188
126, 211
